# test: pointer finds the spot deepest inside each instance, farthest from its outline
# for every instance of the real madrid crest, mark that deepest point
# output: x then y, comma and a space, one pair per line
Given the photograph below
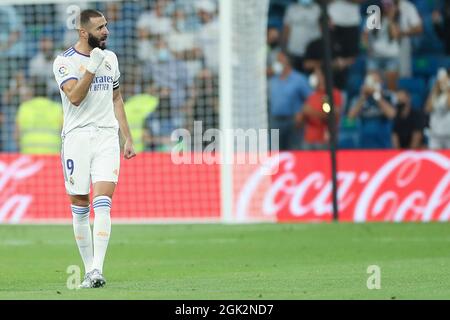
107, 65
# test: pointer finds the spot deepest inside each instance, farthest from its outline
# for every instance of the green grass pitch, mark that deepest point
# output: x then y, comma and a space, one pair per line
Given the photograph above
256, 261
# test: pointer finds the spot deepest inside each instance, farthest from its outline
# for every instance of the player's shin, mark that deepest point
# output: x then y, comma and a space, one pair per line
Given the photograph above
102, 229
83, 236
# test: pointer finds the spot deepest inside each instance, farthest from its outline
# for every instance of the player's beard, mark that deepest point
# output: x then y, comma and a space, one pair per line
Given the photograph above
95, 42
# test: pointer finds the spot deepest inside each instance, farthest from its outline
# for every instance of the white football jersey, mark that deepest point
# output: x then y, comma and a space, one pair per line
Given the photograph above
97, 108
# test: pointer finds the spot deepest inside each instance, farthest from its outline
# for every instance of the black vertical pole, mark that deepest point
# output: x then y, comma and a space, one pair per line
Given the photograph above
328, 73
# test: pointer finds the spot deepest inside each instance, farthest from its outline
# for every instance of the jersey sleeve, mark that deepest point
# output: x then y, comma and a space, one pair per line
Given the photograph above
63, 70
116, 74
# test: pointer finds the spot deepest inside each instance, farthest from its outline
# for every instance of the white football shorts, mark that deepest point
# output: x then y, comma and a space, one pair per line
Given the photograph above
88, 155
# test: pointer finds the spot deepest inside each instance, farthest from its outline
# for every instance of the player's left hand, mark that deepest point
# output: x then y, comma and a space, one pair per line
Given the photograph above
128, 150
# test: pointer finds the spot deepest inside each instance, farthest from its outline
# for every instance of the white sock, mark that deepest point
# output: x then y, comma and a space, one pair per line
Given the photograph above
82, 231
102, 229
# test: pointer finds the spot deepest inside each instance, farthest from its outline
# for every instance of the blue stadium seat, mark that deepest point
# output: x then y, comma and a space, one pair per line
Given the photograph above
425, 66
416, 85
275, 22
31, 40
348, 137
282, 2
359, 66
417, 100
423, 6
428, 42
354, 83
443, 62
417, 88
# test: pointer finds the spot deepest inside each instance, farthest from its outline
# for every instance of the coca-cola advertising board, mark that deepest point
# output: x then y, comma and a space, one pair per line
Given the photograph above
373, 186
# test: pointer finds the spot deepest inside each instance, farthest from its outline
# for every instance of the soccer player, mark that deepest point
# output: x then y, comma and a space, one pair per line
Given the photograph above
88, 78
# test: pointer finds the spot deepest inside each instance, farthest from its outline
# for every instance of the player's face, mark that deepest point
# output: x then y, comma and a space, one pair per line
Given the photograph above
98, 33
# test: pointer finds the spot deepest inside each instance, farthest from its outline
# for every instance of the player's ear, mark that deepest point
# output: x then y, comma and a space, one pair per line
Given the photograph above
83, 33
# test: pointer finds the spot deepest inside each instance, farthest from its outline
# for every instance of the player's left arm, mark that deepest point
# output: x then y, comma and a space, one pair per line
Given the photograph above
119, 110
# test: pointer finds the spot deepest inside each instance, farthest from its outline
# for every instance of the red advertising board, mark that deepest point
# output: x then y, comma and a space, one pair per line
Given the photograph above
150, 188
373, 186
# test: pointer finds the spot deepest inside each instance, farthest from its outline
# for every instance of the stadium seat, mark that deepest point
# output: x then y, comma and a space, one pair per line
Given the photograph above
354, 83
348, 137
275, 22
443, 62
416, 87
359, 66
428, 42
417, 100
425, 66
423, 6
31, 38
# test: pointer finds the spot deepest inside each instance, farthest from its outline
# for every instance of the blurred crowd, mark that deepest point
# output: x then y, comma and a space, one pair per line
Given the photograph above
391, 75
168, 54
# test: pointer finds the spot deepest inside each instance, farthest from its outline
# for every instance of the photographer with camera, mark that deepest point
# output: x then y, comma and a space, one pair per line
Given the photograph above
375, 109
407, 132
438, 107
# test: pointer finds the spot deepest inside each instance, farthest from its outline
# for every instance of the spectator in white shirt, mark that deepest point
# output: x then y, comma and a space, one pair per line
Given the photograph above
438, 106
207, 37
152, 24
41, 66
410, 25
301, 26
403, 22
345, 18
182, 43
384, 45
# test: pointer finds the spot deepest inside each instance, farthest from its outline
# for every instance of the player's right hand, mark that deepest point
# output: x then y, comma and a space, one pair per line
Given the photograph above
97, 57
128, 150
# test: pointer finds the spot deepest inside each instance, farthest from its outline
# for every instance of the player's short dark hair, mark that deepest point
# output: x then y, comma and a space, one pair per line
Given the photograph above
86, 15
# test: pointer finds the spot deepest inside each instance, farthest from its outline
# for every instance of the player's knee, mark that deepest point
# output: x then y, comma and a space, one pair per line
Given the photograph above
80, 201
104, 189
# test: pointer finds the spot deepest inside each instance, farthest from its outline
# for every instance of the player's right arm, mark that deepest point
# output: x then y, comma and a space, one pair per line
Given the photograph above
77, 89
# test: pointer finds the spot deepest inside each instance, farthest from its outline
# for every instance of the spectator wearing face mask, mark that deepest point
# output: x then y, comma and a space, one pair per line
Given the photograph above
314, 117
207, 37
289, 89
181, 43
301, 26
375, 110
41, 67
341, 60
173, 75
408, 127
152, 25
273, 48
438, 107
12, 44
